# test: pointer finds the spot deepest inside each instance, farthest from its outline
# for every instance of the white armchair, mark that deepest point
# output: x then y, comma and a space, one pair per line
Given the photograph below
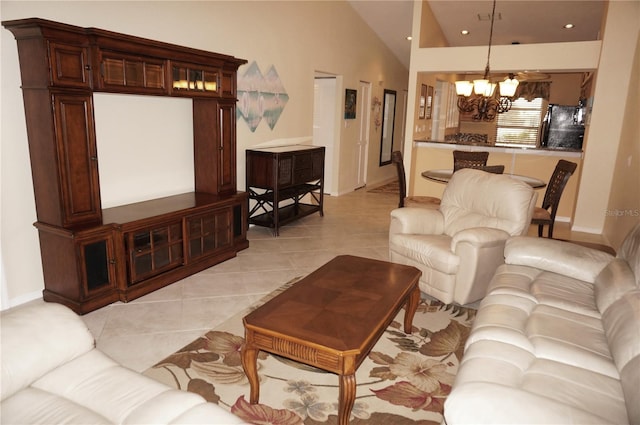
459, 246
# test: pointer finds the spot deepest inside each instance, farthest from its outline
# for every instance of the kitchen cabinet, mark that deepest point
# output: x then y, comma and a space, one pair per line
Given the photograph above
93, 256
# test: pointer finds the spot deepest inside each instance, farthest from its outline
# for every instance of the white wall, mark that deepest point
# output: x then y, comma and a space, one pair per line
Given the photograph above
298, 38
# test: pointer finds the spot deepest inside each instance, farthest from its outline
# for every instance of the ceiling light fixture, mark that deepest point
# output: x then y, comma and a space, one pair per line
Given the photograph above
568, 26
485, 102
464, 32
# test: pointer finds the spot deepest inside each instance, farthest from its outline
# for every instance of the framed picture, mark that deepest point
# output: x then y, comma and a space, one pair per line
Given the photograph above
350, 99
429, 102
423, 102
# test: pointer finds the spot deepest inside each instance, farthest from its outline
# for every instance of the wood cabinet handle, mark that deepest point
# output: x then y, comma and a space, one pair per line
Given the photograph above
87, 67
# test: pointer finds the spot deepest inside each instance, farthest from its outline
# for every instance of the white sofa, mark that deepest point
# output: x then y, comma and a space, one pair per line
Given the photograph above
556, 340
53, 374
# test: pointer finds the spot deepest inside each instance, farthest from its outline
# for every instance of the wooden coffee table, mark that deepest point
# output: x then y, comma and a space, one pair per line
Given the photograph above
331, 319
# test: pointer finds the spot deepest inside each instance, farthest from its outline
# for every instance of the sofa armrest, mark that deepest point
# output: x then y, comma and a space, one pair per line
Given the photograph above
38, 338
556, 256
424, 221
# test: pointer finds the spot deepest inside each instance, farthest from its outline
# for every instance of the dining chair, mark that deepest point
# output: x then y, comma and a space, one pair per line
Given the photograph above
546, 215
495, 169
410, 201
469, 159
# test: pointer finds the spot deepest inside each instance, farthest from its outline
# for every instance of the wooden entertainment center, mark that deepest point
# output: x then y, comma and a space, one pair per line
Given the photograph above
92, 257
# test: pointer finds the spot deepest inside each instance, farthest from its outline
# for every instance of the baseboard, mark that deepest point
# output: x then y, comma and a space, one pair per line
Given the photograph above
591, 230
22, 299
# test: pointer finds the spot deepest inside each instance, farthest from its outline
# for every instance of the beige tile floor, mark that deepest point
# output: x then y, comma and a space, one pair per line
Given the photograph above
140, 333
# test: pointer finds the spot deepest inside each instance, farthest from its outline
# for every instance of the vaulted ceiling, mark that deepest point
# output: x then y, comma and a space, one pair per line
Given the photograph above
521, 21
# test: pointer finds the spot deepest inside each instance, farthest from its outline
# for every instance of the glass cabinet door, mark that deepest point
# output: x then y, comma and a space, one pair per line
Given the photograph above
97, 262
208, 232
154, 250
194, 79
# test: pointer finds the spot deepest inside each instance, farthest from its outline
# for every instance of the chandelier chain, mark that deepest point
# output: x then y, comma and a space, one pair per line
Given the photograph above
493, 15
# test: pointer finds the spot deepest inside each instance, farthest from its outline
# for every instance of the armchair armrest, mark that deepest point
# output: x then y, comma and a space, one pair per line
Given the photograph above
482, 249
556, 256
480, 237
416, 221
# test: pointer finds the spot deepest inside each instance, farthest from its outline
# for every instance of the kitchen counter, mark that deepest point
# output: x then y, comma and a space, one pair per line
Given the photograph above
571, 153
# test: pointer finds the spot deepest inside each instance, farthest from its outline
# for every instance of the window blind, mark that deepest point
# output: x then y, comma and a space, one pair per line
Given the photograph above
520, 126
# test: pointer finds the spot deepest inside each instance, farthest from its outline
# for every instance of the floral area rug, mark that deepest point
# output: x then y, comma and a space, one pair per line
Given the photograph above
404, 380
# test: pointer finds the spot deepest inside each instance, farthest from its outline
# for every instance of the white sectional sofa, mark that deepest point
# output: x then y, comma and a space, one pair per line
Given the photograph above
556, 340
53, 374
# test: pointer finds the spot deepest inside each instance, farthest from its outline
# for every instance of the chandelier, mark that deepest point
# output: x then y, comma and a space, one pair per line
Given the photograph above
480, 98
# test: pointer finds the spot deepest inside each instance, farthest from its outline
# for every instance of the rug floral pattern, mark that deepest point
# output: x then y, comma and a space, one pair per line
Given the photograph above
404, 380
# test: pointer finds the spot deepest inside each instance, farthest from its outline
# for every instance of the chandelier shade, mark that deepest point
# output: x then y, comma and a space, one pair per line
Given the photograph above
464, 88
508, 86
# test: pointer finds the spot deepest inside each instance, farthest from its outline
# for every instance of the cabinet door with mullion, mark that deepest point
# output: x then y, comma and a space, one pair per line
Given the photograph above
153, 250
209, 232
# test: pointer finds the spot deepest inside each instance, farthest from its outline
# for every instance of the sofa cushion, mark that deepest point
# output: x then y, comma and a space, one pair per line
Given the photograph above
501, 383
35, 406
546, 331
546, 288
25, 334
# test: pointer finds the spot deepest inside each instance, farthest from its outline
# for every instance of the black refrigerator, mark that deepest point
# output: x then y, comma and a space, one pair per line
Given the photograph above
563, 127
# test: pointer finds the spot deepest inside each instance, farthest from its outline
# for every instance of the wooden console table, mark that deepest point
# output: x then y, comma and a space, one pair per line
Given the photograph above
284, 184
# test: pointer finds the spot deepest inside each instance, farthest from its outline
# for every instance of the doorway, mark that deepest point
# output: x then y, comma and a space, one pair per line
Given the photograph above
364, 121
324, 125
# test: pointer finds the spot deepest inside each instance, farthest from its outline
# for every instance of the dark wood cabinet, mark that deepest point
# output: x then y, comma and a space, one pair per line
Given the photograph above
70, 65
92, 257
284, 184
77, 158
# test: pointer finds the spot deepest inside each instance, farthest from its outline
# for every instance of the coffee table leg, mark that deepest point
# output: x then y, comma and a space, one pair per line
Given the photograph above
249, 358
347, 398
410, 310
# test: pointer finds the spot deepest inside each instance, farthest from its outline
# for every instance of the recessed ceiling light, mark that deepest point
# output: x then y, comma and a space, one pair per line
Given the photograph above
464, 32
409, 38
568, 26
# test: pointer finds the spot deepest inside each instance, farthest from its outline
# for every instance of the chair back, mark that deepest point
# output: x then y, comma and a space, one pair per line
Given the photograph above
495, 169
556, 185
466, 159
396, 158
474, 198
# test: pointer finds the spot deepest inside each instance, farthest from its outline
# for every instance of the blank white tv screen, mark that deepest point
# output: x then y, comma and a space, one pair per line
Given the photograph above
145, 147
